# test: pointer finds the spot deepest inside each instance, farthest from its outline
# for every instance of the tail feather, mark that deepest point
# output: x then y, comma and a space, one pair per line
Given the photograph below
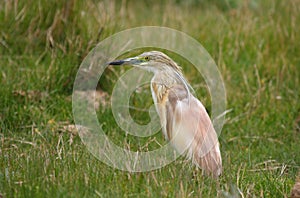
211, 163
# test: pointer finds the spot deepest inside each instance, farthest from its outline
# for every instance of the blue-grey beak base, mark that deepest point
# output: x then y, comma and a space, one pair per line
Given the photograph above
129, 61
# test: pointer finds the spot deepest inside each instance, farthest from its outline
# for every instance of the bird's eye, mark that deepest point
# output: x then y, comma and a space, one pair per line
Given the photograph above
147, 58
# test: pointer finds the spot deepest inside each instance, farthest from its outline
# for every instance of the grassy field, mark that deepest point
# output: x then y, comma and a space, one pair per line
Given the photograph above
42, 43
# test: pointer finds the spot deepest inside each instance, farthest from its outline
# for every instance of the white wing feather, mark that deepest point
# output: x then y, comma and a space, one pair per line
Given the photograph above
190, 130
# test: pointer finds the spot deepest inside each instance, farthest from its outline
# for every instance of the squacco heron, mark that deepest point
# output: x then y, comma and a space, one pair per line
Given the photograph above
184, 120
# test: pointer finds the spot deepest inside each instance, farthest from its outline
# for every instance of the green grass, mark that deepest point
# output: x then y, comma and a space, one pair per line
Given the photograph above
42, 43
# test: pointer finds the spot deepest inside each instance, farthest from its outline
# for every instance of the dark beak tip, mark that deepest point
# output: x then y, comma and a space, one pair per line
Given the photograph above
117, 62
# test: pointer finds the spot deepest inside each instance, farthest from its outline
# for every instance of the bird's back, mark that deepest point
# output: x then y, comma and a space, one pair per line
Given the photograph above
187, 125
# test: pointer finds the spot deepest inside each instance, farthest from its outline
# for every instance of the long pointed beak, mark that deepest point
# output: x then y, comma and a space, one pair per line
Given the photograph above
128, 61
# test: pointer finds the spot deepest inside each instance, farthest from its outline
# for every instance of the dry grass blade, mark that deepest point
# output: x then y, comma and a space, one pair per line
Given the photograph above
296, 189
96, 97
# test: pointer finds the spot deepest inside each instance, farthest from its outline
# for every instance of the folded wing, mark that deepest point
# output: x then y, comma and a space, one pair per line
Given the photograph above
190, 130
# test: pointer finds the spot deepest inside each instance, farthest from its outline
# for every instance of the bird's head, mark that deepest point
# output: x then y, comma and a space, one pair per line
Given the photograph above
153, 61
